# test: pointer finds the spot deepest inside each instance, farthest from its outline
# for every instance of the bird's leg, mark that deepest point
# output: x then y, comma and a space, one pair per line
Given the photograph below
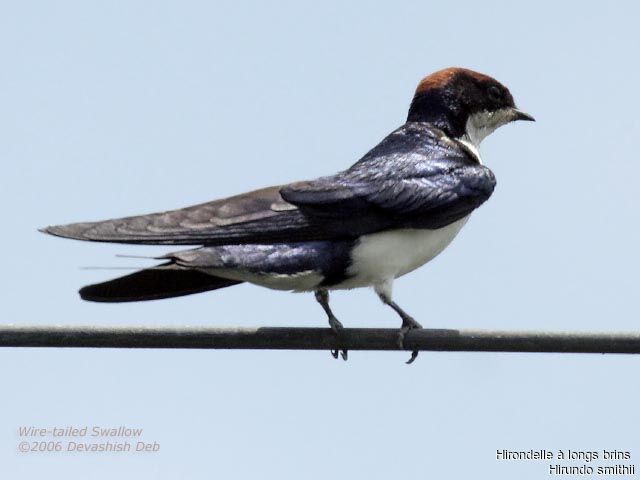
322, 296
408, 323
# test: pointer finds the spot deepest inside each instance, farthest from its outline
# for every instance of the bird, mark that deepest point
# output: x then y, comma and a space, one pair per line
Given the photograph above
392, 211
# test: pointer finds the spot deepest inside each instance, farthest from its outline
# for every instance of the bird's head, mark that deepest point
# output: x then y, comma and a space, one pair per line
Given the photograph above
464, 104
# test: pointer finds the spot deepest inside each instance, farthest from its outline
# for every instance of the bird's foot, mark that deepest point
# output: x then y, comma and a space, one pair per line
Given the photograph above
408, 323
336, 326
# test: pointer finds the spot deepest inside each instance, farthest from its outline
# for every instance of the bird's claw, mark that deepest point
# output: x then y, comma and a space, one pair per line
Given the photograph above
408, 323
414, 355
343, 353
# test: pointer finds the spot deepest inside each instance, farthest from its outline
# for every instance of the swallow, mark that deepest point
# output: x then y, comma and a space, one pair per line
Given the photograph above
391, 212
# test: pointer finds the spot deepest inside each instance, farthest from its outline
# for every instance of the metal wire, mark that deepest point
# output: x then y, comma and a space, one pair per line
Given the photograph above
316, 339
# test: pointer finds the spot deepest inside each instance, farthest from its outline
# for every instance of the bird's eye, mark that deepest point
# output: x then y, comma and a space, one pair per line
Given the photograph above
494, 93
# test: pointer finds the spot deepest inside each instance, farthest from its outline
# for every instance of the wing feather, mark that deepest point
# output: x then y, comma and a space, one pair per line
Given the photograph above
415, 178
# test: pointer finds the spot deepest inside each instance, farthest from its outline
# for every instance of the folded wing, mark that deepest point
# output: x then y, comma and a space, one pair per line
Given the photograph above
431, 202
412, 179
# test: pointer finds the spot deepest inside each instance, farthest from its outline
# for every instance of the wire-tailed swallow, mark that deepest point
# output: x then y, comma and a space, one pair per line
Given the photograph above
392, 211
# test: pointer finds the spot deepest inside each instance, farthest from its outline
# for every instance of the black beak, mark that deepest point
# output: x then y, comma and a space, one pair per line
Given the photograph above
520, 115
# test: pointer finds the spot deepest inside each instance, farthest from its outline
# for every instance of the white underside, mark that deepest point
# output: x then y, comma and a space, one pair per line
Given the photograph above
382, 257
377, 260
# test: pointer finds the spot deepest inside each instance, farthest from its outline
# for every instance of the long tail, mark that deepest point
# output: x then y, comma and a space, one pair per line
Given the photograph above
164, 281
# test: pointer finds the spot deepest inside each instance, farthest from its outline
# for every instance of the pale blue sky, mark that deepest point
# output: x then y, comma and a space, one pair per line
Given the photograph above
117, 108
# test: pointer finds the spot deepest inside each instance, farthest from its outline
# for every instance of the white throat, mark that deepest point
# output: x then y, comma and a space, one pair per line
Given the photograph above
480, 125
